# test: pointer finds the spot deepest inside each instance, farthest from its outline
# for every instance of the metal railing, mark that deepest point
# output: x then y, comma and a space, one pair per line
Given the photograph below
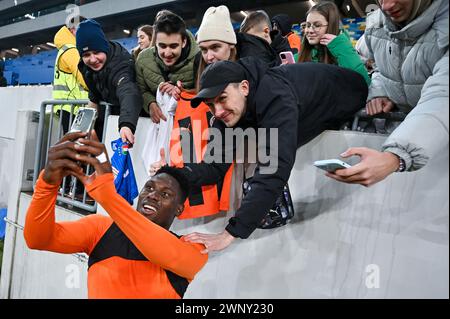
46, 137
362, 114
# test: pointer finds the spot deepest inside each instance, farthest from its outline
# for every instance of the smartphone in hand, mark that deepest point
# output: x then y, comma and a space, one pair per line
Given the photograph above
287, 57
84, 120
331, 165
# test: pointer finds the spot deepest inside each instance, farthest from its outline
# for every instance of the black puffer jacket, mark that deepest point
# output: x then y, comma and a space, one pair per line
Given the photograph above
252, 46
299, 100
116, 84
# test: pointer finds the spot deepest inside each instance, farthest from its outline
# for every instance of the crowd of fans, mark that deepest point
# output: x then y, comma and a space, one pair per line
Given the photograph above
236, 80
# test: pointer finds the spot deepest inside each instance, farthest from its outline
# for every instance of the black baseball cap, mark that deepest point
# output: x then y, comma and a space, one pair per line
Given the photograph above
216, 78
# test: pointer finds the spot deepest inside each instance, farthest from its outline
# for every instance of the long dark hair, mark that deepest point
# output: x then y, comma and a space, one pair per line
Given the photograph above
148, 30
331, 13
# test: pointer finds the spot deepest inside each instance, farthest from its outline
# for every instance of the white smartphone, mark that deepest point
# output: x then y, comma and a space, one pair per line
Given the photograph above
84, 120
287, 57
331, 165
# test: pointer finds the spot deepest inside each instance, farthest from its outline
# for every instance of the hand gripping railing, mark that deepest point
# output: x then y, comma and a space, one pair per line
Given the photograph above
362, 114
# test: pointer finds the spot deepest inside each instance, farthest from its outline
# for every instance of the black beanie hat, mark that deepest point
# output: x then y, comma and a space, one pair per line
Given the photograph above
284, 23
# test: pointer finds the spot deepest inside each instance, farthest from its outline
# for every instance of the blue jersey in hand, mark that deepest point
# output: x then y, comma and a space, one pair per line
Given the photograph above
124, 178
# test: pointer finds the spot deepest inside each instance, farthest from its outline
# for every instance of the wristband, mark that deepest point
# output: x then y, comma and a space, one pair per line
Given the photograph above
102, 158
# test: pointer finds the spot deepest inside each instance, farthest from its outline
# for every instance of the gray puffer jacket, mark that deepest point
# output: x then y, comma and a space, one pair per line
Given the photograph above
412, 71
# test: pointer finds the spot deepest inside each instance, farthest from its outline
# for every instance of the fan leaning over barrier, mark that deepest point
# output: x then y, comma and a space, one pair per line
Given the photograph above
295, 102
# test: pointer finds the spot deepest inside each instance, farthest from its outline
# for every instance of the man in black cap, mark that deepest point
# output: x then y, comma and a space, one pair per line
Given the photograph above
299, 100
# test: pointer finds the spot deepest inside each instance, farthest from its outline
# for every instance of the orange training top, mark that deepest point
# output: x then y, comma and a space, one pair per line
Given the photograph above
295, 42
207, 199
114, 277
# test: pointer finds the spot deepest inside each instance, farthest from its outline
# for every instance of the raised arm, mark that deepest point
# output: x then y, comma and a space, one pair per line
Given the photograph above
41, 231
431, 116
346, 55
128, 94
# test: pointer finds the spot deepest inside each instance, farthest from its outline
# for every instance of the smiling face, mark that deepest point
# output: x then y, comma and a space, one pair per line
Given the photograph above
159, 200
398, 10
94, 59
213, 51
230, 105
143, 40
316, 27
169, 47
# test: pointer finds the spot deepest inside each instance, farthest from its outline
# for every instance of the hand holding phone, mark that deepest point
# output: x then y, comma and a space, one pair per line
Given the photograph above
287, 57
84, 120
331, 165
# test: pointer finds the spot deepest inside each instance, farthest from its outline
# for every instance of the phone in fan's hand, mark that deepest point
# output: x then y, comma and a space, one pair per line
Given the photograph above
331, 165
287, 57
84, 120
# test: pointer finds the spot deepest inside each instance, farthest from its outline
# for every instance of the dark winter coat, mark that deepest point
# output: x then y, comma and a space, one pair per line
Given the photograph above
116, 84
252, 46
301, 101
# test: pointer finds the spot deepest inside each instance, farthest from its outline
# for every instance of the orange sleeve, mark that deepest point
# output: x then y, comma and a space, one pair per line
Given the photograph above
156, 243
295, 42
43, 233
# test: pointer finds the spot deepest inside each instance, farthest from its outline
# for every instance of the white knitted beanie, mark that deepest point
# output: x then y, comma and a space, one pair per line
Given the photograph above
216, 25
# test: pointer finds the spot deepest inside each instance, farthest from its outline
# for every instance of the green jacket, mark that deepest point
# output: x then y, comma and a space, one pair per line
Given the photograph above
150, 68
346, 56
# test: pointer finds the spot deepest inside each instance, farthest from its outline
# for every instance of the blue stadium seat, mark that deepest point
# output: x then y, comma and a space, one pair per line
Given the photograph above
3, 214
35, 75
355, 27
38, 68
127, 43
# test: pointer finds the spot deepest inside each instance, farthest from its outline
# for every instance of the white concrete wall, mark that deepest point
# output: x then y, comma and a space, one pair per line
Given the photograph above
6, 145
342, 238
386, 241
17, 143
20, 98
13, 100
23, 147
42, 274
